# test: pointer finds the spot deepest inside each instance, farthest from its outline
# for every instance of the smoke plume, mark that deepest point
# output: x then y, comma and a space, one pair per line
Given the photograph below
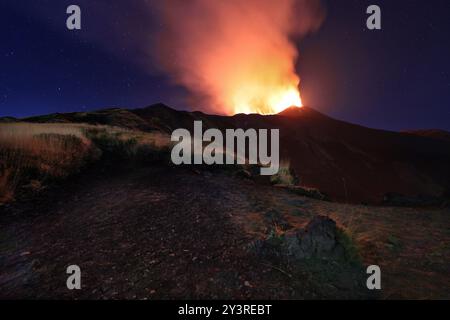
235, 55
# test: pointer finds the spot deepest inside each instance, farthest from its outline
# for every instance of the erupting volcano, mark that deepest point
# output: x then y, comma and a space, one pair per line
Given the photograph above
236, 56
265, 95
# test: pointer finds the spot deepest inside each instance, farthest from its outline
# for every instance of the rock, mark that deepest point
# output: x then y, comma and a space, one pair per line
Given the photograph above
318, 239
320, 256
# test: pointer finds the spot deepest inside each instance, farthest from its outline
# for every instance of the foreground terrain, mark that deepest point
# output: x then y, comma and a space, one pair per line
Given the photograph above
158, 232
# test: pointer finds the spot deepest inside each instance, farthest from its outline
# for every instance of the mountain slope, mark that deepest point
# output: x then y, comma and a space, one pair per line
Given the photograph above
346, 161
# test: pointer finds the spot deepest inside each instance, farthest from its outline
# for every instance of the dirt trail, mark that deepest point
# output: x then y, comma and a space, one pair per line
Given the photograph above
147, 233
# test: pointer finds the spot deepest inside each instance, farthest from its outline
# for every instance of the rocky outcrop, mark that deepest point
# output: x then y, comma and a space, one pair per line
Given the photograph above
320, 239
319, 258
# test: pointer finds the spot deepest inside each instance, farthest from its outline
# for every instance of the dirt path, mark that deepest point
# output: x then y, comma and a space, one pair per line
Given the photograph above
149, 233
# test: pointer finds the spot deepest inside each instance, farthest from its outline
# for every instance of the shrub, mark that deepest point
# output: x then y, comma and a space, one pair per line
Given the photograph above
285, 176
120, 144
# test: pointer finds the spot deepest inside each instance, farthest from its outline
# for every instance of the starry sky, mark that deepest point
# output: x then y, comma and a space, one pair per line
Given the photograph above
395, 79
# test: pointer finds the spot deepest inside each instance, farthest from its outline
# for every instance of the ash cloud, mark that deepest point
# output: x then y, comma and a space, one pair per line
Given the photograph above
213, 48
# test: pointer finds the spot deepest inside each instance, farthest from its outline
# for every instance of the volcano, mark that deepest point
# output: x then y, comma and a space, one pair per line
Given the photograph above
347, 162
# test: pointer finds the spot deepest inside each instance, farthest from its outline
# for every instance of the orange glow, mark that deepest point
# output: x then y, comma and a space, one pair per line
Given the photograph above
266, 101
236, 56
264, 83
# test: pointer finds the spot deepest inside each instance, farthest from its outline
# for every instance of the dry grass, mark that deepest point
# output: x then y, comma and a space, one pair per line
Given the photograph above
411, 245
285, 175
32, 154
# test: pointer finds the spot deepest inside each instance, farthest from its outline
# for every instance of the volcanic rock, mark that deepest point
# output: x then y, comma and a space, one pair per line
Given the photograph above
320, 239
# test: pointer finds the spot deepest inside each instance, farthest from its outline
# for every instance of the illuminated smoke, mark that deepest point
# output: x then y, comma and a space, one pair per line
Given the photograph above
235, 55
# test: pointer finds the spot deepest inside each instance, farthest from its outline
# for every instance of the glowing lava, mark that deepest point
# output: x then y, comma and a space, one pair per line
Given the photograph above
262, 88
268, 102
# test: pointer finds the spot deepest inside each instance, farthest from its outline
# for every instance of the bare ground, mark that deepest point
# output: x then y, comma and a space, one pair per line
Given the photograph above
167, 233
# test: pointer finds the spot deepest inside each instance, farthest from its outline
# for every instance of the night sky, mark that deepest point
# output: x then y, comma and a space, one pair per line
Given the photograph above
397, 78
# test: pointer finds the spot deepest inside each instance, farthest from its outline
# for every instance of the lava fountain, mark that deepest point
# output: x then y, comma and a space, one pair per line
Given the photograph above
236, 56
